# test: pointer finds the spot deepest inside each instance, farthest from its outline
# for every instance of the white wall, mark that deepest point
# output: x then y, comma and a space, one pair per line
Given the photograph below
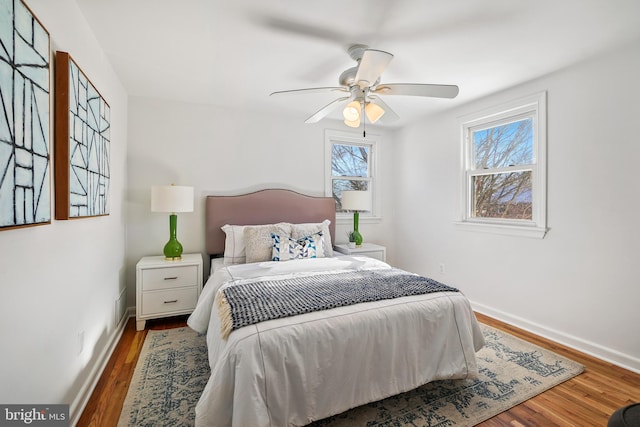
221, 151
61, 279
578, 285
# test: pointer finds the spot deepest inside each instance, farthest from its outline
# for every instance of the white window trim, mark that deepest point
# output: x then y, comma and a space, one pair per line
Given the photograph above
537, 227
339, 137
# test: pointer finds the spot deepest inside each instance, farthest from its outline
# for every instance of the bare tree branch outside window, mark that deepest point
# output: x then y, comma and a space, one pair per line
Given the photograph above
350, 170
502, 185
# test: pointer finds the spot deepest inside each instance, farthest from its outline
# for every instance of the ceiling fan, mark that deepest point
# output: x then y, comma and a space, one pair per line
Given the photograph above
361, 89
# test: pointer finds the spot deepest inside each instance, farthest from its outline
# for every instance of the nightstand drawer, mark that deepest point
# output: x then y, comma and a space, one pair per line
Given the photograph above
374, 254
169, 301
169, 277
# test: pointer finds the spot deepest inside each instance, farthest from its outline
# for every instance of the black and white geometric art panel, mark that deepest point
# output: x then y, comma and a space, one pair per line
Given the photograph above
82, 148
89, 139
25, 190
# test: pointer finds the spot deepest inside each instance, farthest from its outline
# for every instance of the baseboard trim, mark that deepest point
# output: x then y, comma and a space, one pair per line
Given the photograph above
77, 406
612, 356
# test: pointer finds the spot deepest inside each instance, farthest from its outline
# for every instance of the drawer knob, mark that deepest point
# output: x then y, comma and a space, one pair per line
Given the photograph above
171, 302
171, 278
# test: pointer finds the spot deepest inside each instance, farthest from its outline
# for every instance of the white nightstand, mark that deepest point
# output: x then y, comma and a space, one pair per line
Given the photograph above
167, 288
367, 249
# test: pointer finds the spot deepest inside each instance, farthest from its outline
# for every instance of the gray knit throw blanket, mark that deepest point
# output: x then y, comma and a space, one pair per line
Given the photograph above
250, 303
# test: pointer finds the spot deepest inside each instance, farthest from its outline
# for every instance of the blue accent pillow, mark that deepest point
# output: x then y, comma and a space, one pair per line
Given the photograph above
287, 248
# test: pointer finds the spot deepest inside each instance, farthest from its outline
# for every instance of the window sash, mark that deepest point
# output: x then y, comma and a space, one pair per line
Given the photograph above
343, 138
533, 107
492, 204
368, 163
368, 179
520, 118
368, 186
506, 169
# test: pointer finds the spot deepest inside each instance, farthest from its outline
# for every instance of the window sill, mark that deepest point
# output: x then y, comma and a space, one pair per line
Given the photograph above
511, 230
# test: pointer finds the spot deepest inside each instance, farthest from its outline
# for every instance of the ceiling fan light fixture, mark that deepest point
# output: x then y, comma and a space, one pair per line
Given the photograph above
360, 89
351, 112
353, 123
373, 112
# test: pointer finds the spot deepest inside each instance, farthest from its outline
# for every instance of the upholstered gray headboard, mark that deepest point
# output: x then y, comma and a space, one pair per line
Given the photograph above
264, 207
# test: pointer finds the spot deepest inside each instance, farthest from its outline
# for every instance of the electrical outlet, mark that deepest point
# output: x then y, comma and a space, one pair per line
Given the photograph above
442, 268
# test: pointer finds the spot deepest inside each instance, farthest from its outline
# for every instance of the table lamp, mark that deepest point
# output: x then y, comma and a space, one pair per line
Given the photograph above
356, 201
172, 199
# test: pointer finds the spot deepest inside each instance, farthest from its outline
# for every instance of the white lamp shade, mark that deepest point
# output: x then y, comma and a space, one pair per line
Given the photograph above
171, 198
354, 200
351, 112
353, 124
373, 112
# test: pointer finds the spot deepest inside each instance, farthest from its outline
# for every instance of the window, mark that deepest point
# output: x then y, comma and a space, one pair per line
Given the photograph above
504, 169
349, 165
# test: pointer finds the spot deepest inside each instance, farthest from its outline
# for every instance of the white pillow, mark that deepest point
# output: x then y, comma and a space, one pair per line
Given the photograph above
286, 248
258, 243
216, 263
301, 230
234, 248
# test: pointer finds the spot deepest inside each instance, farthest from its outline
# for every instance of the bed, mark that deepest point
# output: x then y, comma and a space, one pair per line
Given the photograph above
296, 369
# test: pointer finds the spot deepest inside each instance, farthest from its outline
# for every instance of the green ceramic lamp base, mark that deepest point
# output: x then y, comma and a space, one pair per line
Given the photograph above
355, 234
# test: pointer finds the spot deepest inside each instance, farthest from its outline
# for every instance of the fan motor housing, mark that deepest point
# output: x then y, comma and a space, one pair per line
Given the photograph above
348, 77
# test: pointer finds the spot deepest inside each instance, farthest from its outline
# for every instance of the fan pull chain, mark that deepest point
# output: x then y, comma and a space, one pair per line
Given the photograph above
364, 120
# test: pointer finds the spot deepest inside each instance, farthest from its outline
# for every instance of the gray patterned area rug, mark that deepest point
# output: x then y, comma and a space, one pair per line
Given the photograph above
173, 370
171, 373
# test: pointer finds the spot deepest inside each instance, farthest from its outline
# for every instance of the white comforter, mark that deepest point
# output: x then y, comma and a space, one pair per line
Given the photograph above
295, 370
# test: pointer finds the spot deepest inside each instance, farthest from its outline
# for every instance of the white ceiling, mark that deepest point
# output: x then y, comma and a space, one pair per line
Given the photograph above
234, 53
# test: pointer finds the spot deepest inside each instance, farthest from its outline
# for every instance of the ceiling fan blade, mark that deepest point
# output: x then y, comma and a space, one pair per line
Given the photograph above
300, 29
389, 115
311, 90
371, 66
324, 111
417, 89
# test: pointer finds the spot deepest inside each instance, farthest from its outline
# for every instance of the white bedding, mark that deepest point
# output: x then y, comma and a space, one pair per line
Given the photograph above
295, 370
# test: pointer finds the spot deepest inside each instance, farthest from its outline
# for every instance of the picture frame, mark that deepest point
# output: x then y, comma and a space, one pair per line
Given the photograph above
82, 143
25, 165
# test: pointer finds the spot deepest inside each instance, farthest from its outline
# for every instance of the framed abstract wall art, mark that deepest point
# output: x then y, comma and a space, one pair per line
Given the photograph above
25, 177
82, 144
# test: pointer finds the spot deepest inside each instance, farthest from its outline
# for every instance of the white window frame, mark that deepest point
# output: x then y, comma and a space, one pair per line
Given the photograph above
534, 107
346, 138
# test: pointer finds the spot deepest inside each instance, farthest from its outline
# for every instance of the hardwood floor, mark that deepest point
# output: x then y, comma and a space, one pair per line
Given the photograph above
586, 400
104, 405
